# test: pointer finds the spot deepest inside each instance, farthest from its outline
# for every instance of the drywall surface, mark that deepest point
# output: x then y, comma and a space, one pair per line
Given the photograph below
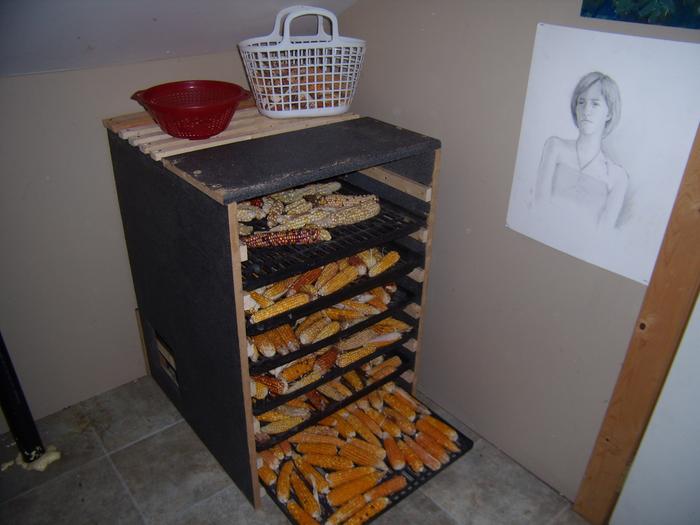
67, 302
663, 482
522, 343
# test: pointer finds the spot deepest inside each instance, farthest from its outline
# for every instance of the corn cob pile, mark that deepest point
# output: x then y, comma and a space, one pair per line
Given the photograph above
302, 215
347, 468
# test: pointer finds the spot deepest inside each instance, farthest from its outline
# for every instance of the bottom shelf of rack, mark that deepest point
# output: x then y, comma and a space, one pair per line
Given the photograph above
397, 446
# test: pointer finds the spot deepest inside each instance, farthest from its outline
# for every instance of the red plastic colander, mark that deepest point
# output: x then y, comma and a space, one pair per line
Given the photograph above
192, 109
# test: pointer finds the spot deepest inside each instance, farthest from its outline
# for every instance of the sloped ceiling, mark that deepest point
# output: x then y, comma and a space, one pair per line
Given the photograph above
39, 36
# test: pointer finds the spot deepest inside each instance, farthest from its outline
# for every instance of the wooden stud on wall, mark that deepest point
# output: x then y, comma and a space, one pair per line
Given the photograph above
664, 314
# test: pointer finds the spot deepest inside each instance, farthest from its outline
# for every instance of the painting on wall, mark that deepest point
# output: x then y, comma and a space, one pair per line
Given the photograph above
607, 128
677, 13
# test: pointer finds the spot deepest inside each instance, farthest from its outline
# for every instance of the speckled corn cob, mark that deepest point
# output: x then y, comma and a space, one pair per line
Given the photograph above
298, 207
354, 380
404, 424
279, 288
308, 500
301, 517
350, 215
247, 213
423, 426
297, 369
267, 475
283, 481
327, 273
326, 360
281, 306
277, 427
313, 476
347, 358
412, 459
244, 229
428, 459
309, 378
276, 209
341, 279
313, 218
307, 437
287, 234
329, 462
432, 447
389, 260
347, 510
274, 384
343, 201
367, 512
347, 491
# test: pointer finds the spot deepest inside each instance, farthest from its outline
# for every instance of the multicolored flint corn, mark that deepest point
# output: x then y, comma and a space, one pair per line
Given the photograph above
287, 237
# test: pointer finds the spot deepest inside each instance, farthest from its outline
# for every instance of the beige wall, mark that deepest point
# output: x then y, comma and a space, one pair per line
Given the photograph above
522, 343
67, 301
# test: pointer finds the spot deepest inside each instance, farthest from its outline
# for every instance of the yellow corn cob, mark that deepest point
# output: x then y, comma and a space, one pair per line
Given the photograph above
267, 475
367, 512
307, 321
361, 457
412, 460
401, 406
264, 345
432, 447
375, 399
389, 260
350, 215
369, 257
279, 288
347, 491
275, 385
329, 391
301, 517
325, 430
381, 374
341, 279
307, 336
355, 261
299, 402
277, 338
428, 459
356, 340
313, 476
368, 422
391, 324
281, 306
298, 207
329, 462
306, 437
376, 449
363, 308
317, 448
389, 487
354, 380
297, 369
378, 304
328, 330
415, 404
309, 378
394, 454
340, 387
283, 482
402, 421
258, 390
272, 415
386, 424
277, 452
326, 360
286, 448
343, 314
327, 273
392, 362
343, 263
277, 427
341, 477
450, 432
347, 358
304, 279
308, 500
269, 459
262, 301
381, 294
289, 337
347, 510
314, 217
423, 426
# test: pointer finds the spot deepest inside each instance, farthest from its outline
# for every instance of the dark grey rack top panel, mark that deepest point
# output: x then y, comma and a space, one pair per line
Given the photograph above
253, 168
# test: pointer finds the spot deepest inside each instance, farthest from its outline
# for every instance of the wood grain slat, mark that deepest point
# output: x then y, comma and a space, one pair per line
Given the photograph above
404, 184
663, 316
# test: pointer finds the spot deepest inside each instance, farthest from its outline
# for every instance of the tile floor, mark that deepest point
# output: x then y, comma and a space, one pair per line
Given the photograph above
129, 458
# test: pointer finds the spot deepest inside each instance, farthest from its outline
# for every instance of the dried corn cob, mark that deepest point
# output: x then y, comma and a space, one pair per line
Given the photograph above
412, 459
269, 459
309, 378
389, 487
326, 360
308, 500
340, 387
274, 384
286, 448
297, 369
327, 273
347, 358
342, 201
385, 339
328, 330
347, 510
322, 429
263, 302
306, 437
277, 452
392, 362
356, 340
391, 324
272, 415
402, 421
432, 447
393, 452
307, 222
258, 390
276, 209
308, 335
343, 263
450, 432
381, 294
298, 207
299, 402
367, 512
281, 306
289, 337
386, 424
334, 462
264, 345
354, 380
341, 477
343, 314
287, 235
278, 289
401, 406
275, 337
341, 279
289, 410
375, 399
253, 353
307, 321
384, 372
325, 449
369, 257
329, 391
304, 279
428, 459
361, 457
277, 427
247, 213
317, 400
244, 229
386, 262
283, 481
355, 261
423, 426
415, 404
376, 449
299, 514
364, 308
349, 215
368, 422
313, 476
347, 491
267, 475
378, 304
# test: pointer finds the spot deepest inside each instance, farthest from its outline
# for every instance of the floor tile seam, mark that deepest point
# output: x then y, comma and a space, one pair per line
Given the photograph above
126, 489
455, 519
203, 501
559, 514
144, 437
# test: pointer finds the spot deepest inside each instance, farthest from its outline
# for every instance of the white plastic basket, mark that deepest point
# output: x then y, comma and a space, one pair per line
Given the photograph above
302, 76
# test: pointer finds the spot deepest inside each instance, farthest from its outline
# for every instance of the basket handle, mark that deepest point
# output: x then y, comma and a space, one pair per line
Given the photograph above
284, 12
307, 10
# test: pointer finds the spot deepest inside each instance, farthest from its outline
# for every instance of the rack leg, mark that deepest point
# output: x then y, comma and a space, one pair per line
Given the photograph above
17, 413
